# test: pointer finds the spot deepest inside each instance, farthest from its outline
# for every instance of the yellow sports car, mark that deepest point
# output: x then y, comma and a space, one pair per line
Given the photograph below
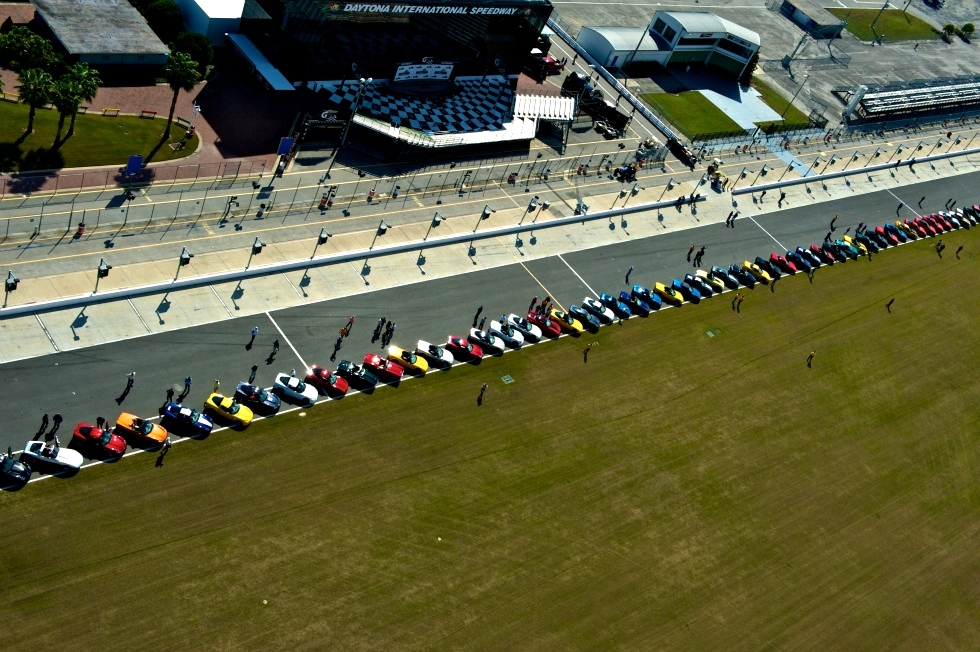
909, 231
228, 408
408, 359
857, 245
760, 274
668, 294
567, 322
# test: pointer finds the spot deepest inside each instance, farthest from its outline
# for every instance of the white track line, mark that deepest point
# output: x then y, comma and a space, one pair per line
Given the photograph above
302, 361
594, 293
768, 234
903, 203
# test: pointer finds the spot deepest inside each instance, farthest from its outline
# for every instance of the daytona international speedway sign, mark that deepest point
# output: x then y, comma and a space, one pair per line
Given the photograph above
422, 9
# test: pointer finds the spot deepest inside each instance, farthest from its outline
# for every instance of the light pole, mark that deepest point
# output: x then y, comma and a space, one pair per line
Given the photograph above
320, 239
833, 159
350, 119
484, 215
632, 54
883, 7
853, 158
185, 259
896, 152
765, 168
956, 142
970, 141
788, 168
741, 175
802, 84
669, 186
382, 229
814, 166
101, 273
940, 142
436, 219
256, 249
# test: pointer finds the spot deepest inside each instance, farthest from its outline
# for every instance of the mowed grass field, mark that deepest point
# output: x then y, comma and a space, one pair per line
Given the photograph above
98, 140
674, 492
691, 112
893, 24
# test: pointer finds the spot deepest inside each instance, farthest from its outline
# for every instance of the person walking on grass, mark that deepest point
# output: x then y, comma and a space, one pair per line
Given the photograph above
738, 306
809, 359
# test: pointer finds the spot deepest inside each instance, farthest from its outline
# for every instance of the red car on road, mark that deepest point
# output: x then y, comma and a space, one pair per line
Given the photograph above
326, 381
890, 238
383, 367
462, 348
781, 263
99, 439
547, 325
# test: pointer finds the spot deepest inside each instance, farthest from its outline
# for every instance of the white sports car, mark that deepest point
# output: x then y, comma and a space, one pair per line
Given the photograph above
295, 390
487, 341
52, 455
531, 332
507, 333
604, 314
437, 355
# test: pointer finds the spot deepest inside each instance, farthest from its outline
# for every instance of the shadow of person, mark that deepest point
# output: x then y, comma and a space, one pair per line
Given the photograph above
160, 457
585, 356
479, 400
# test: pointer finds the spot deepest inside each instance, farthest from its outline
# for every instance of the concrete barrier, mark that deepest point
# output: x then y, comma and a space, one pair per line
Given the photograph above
329, 259
844, 173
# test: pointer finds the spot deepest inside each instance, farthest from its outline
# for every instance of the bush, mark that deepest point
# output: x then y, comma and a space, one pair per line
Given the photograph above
22, 49
969, 29
164, 19
198, 46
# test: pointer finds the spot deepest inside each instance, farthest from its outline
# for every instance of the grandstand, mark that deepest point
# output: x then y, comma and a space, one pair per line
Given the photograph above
919, 97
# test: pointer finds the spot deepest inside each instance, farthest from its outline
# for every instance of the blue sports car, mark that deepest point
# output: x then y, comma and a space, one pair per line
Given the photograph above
703, 288
637, 305
186, 421
588, 320
618, 307
689, 293
741, 276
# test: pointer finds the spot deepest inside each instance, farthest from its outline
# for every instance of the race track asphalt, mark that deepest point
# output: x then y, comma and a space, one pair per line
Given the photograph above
84, 384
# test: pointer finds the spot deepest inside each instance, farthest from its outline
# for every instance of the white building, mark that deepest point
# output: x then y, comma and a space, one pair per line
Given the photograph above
213, 18
679, 38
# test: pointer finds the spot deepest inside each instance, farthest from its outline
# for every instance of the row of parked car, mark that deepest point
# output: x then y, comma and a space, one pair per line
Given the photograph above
509, 332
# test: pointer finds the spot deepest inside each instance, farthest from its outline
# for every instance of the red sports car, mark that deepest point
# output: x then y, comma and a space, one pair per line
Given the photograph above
326, 381
926, 225
890, 238
945, 221
383, 367
99, 439
781, 263
547, 325
463, 348
917, 227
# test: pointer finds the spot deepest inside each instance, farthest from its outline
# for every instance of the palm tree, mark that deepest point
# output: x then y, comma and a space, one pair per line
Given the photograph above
88, 82
66, 95
35, 90
181, 73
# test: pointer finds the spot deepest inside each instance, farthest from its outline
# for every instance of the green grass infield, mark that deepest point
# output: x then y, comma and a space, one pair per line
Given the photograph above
893, 25
675, 491
98, 140
691, 112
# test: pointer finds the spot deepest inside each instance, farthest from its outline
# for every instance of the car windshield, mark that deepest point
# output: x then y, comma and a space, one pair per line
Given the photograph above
300, 386
143, 427
105, 438
408, 357
6, 465
469, 347
261, 395
234, 408
194, 416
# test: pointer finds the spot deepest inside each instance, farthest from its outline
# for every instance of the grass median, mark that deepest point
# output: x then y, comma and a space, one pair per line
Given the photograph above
674, 491
893, 25
98, 140
691, 112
